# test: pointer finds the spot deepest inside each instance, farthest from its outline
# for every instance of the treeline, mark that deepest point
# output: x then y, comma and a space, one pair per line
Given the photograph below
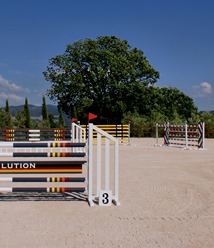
141, 125
23, 119
144, 126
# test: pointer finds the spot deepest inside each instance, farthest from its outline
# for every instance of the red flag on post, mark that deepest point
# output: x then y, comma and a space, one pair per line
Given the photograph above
73, 119
91, 116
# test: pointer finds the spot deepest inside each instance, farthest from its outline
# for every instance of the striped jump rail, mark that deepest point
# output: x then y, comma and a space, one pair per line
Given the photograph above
40, 180
177, 135
42, 190
42, 154
28, 167
43, 179
184, 135
40, 144
34, 134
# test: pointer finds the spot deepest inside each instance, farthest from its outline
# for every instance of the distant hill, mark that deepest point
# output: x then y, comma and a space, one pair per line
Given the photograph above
35, 111
201, 112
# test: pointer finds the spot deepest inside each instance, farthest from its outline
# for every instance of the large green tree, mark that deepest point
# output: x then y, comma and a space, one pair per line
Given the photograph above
165, 101
98, 76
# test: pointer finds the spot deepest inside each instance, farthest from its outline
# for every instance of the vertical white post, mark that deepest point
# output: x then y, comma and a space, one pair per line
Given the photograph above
98, 163
157, 134
129, 133
80, 132
186, 135
107, 163
90, 164
116, 173
72, 131
76, 134
203, 135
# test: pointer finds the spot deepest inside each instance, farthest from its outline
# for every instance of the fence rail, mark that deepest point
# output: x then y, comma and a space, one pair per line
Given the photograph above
34, 134
150, 131
120, 131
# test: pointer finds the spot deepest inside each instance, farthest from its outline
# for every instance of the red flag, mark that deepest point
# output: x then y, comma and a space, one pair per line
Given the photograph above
73, 119
91, 116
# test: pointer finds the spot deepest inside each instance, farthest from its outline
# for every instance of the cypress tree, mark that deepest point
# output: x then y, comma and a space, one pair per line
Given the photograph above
45, 116
27, 114
61, 119
8, 116
2, 118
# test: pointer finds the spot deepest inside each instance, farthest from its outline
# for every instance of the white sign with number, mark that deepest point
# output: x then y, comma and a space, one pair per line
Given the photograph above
105, 198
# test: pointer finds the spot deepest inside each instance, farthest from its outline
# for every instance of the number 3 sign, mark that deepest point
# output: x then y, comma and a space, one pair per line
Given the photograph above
105, 198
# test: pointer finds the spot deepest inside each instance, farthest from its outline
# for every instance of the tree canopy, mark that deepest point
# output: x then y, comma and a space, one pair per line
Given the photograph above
108, 77
96, 75
166, 101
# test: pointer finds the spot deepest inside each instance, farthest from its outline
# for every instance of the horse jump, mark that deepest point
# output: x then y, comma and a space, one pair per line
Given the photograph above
183, 135
22, 158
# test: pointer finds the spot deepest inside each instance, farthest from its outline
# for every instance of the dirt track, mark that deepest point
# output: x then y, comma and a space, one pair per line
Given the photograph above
166, 197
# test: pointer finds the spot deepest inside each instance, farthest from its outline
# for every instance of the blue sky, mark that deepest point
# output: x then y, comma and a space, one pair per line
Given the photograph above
176, 36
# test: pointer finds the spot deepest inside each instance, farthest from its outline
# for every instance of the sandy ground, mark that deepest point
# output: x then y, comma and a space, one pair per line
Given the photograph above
166, 197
